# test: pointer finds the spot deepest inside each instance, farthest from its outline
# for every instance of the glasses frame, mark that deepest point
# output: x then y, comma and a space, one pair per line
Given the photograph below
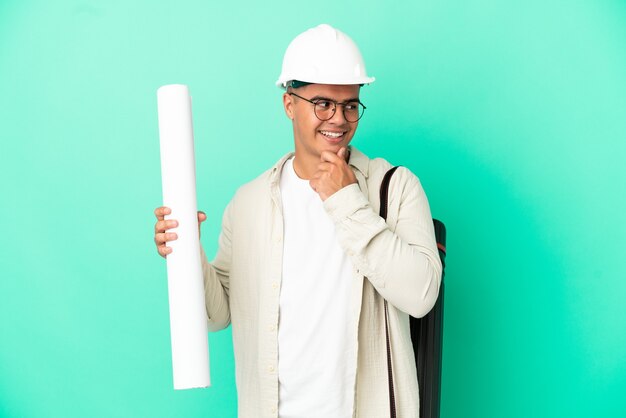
335, 103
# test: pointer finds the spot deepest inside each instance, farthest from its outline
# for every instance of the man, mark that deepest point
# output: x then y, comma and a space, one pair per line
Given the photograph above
305, 262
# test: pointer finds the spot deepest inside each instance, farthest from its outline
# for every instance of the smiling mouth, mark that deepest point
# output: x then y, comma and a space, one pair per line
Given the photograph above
333, 136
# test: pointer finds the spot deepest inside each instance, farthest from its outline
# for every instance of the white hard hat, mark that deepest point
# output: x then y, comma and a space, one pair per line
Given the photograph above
323, 55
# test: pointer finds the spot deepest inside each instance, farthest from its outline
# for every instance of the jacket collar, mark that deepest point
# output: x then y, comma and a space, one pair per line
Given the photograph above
357, 160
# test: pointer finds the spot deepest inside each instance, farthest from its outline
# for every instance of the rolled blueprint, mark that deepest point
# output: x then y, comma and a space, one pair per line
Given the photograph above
188, 324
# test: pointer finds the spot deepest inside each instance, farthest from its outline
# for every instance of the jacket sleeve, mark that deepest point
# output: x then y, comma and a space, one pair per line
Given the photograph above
401, 263
217, 278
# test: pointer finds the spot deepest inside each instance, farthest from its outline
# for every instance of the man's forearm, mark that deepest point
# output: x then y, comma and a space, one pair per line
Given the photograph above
403, 265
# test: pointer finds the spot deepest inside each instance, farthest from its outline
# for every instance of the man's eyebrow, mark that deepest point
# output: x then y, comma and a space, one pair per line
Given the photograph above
354, 99
321, 98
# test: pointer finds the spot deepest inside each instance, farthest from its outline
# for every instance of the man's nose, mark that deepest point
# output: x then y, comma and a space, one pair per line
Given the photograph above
338, 118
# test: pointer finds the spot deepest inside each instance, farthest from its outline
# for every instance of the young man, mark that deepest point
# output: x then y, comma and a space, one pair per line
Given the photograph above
305, 262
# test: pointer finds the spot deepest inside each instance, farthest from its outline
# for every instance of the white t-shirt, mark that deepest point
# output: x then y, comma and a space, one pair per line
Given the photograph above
315, 345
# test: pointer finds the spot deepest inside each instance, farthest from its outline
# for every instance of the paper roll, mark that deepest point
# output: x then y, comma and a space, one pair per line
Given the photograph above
188, 324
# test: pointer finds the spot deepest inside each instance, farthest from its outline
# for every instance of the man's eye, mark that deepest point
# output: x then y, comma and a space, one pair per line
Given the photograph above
323, 104
352, 106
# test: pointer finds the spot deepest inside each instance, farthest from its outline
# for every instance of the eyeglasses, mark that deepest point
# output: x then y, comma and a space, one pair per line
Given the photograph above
325, 108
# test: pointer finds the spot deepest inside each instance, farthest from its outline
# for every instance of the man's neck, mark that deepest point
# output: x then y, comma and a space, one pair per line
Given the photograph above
303, 168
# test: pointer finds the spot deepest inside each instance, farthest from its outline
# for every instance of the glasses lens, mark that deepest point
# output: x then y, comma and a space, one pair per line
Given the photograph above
353, 111
324, 109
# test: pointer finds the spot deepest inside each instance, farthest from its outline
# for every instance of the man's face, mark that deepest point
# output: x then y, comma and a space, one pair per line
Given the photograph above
312, 136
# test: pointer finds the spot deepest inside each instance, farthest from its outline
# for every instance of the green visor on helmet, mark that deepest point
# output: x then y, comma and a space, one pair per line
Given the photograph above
294, 84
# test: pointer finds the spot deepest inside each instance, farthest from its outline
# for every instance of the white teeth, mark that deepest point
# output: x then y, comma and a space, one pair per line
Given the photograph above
332, 134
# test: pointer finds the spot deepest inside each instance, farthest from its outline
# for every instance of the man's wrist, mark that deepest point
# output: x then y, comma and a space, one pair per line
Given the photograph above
345, 201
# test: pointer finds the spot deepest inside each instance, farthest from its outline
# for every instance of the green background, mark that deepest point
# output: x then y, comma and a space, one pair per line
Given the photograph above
513, 114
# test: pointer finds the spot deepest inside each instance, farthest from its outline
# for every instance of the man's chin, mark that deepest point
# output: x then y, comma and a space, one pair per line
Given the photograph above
335, 147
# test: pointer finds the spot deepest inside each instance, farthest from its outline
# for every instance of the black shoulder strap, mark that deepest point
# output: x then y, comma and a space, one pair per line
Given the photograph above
384, 192
384, 198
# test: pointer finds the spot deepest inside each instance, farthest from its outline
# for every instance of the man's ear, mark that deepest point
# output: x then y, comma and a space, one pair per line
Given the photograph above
288, 105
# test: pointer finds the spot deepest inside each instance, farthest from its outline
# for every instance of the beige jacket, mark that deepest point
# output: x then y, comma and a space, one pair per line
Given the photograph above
397, 260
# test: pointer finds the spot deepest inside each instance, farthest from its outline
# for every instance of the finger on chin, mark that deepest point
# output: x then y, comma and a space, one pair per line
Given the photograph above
329, 156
